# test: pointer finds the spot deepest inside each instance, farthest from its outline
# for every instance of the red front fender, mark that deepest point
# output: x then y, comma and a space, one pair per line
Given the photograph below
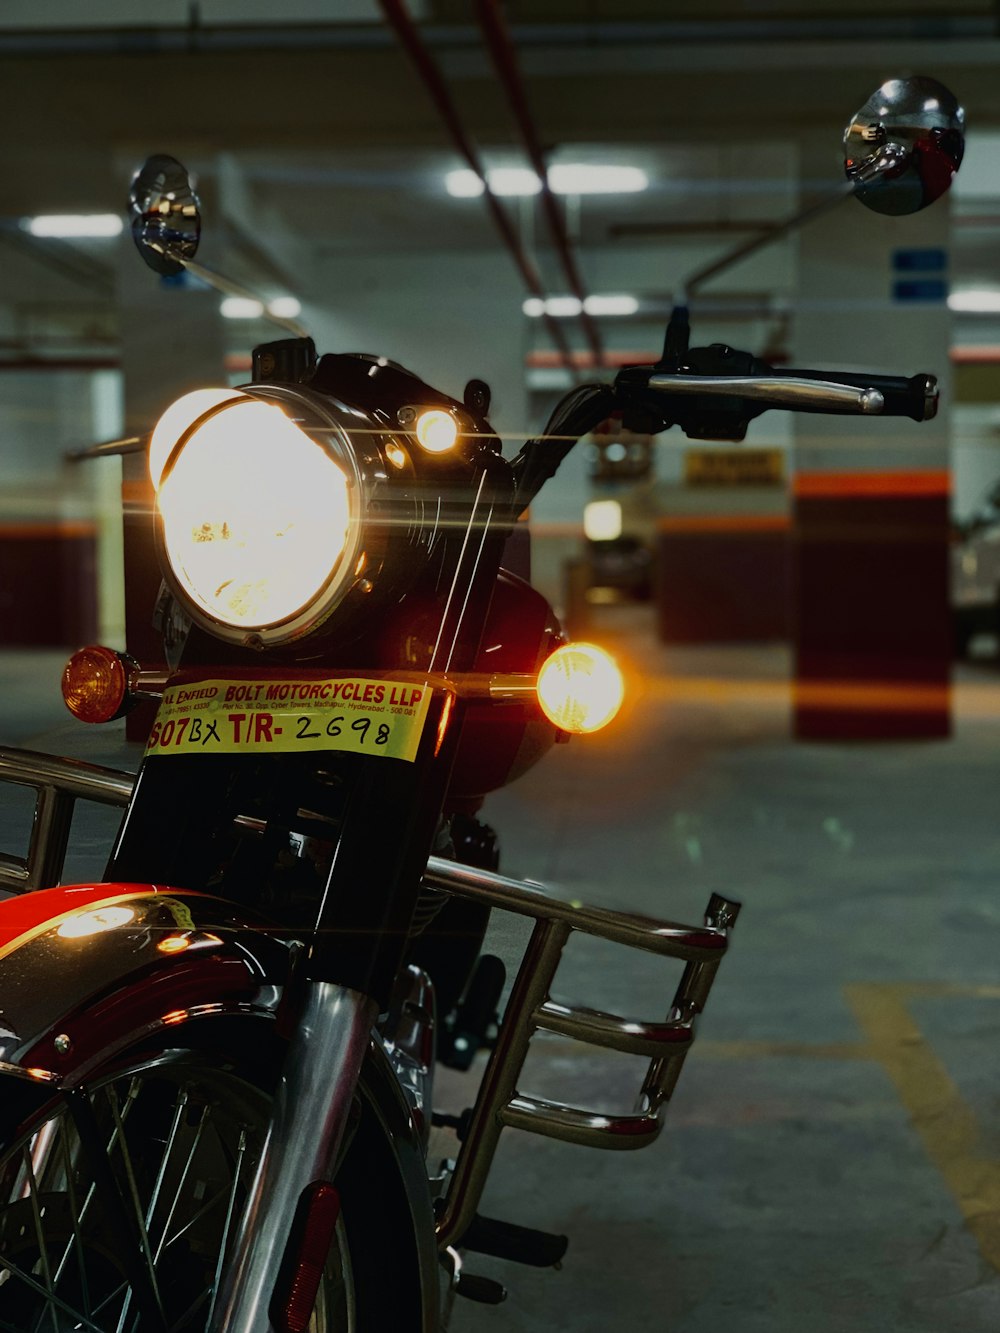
102, 966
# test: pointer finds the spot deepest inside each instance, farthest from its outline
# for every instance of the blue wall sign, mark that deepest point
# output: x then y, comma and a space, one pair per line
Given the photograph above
920, 289
928, 260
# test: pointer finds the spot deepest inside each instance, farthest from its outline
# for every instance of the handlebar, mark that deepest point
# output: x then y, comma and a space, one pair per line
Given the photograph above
916, 397
810, 390
712, 393
801, 390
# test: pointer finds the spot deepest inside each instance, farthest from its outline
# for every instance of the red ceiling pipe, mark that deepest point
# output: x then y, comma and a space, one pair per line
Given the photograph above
398, 17
501, 47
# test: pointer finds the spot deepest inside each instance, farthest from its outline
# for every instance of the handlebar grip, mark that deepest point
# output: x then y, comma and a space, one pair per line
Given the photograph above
916, 397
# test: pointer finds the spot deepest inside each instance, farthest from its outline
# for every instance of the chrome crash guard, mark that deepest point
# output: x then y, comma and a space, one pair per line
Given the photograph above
664, 1043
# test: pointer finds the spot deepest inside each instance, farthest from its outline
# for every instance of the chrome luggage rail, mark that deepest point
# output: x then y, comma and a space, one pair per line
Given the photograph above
664, 1042
58, 785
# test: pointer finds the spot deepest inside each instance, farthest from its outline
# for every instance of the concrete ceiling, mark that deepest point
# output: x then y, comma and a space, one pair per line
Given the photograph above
341, 149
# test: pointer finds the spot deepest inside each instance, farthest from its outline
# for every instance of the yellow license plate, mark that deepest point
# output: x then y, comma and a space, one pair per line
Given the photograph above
377, 717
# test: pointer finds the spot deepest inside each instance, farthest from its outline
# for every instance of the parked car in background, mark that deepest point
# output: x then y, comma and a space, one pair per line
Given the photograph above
975, 573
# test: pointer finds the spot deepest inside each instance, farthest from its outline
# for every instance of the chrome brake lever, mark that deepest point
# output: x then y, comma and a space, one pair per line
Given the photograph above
777, 391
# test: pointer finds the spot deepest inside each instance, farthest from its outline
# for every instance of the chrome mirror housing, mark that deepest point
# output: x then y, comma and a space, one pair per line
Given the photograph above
903, 148
165, 214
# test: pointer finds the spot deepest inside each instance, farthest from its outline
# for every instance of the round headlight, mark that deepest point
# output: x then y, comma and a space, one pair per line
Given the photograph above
176, 420
259, 520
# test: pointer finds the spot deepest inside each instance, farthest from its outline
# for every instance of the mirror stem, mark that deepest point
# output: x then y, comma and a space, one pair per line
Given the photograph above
762, 239
229, 288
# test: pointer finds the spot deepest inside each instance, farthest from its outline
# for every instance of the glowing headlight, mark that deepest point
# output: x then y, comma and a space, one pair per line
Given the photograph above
176, 420
258, 526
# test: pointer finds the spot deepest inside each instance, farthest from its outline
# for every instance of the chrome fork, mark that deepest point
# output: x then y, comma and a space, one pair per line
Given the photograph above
311, 1111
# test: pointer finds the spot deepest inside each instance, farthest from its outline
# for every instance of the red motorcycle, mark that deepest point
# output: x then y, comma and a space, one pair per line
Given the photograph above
218, 1063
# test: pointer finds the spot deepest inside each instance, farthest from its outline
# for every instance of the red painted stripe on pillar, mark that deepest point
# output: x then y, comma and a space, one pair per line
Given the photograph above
836, 485
872, 625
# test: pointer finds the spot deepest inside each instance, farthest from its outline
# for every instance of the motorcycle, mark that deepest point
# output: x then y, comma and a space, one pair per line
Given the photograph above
219, 1117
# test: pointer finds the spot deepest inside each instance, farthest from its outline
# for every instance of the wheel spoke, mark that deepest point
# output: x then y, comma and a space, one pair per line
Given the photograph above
130, 1098
179, 1109
133, 1189
9, 1328
127, 1226
205, 1208
230, 1211
78, 1216
75, 1220
55, 1302
115, 1232
180, 1185
120, 1290
191, 1311
36, 1213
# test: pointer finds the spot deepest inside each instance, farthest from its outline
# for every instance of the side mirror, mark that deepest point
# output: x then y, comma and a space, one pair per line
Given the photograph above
165, 213
903, 148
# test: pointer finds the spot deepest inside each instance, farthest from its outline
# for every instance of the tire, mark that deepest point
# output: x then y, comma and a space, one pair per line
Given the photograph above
182, 1130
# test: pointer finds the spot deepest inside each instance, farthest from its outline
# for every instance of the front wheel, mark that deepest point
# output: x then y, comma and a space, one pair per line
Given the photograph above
119, 1209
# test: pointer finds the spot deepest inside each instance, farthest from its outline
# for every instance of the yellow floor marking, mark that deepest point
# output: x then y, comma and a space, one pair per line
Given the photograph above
946, 1125
944, 1121
936, 989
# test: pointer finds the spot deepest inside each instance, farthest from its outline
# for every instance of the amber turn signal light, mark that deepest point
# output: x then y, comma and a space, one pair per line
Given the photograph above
580, 687
95, 684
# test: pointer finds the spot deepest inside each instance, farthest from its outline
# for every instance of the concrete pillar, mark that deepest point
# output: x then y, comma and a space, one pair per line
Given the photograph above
871, 503
448, 317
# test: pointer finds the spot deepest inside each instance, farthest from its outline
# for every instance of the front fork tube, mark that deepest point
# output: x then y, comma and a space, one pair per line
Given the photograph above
311, 1111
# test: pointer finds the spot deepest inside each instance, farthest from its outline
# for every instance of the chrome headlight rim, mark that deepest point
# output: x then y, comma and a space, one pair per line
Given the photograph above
311, 413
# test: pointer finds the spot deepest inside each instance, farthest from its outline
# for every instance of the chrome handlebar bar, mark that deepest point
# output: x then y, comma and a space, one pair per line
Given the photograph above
778, 391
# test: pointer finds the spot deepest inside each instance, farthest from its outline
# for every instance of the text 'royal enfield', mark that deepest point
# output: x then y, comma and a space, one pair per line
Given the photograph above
217, 1064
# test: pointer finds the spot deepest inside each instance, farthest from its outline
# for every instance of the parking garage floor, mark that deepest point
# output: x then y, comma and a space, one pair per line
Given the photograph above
831, 1160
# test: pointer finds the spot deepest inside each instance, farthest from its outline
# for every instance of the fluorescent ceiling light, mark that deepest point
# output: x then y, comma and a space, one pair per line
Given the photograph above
509, 182
513, 181
241, 307
564, 178
563, 307
976, 300
463, 184
285, 307
69, 225
567, 306
594, 178
611, 305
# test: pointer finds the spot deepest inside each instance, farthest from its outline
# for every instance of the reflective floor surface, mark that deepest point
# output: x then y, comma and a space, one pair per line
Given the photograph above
831, 1160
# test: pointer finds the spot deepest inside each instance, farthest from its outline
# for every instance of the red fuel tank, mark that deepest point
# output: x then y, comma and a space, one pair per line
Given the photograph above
500, 741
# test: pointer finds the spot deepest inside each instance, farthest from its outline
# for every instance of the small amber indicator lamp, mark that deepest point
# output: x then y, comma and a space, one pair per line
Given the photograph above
436, 431
580, 687
95, 684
